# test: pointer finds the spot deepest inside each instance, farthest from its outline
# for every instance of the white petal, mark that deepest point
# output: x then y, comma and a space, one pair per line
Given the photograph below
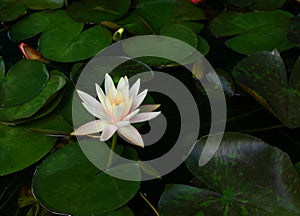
90, 128
108, 83
91, 104
121, 84
132, 135
123, 123
108, 107
135, 88
108, 131
99, 113
146, 116
149, 107
131, 115
138, 100
118, 112
100, 94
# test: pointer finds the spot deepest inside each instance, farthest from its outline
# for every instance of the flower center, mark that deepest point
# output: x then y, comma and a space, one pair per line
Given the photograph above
117, 99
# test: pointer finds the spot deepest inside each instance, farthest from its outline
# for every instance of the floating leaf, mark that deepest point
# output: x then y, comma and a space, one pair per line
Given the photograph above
159, 13
67, 182
20, 147
51, 124
13, 90
96, 11
44, 4
63, 39
266, 5
255, 31
246, 177
263, 75
11, 10
29, 108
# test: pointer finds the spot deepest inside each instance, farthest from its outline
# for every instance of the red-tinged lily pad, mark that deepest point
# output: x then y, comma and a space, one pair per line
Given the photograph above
20, 148
246, 176
23, 81
254, 31
263, 75
67, 182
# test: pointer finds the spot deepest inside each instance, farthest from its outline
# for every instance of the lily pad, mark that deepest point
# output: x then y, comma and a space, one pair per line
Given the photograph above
246, 176
24, 81
158, 13
67, 182
95, 11
51, 124
294, 31
253, 31
63, 39
266, 5
29, 108
11, 10
45, 4
20, 147
263, 75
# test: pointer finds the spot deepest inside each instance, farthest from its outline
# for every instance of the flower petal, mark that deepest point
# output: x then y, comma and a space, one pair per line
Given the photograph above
131, 115
90, 102
123, 123
109, 84
146, 116
90, 128
135, 88
149, 107
96, 111
108, 131
100, 94
118, 112
132, 135
138, 100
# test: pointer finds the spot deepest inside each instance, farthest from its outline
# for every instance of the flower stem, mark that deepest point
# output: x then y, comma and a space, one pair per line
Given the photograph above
148, 202
111, 154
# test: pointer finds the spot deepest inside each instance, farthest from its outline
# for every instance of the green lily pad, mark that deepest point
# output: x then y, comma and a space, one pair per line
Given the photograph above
20, 147
63, 39
71, 44
29, 108
158, 13
263, 75
255, 31
44, 4
11, 10
24, 81
246, 176
95, 11
266, 5
67, 182
50, 124
124, 211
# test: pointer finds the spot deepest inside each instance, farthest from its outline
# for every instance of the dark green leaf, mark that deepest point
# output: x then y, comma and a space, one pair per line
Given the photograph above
44, 4
159, 13
255, 31
29, 108
20, 147
67, 182
23, 81
267, 5
263, 75
247, 176
124, 211
11, 10
294, 31
95, 11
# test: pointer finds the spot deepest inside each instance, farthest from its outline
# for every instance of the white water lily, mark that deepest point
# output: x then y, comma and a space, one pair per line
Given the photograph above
117, 109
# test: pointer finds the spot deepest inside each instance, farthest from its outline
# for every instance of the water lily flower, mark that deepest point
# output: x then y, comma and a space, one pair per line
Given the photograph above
116, 110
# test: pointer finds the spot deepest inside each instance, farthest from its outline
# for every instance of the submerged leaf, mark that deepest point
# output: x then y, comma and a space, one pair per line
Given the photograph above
246, 176
263, 75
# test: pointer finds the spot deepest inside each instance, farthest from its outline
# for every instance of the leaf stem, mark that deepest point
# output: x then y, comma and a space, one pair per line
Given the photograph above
111, 154
148, 202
